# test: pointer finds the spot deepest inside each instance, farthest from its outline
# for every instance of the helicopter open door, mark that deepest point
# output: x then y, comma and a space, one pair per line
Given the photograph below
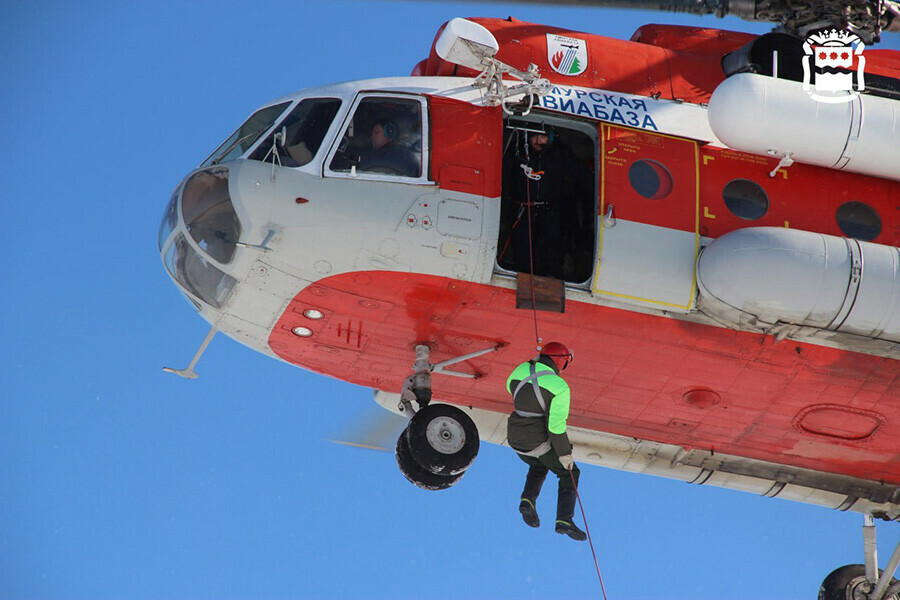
570, 160
648, 241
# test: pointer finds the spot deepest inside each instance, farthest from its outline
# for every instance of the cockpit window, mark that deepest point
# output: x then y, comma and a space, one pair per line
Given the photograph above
197, 275
384, 137
303, 131
209, 214
246, 135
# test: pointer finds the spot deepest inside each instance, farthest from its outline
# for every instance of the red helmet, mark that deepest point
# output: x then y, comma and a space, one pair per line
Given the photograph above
559, 354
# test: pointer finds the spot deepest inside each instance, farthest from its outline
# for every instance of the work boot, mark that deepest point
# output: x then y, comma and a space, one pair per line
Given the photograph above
533, 483
529, 513
565, 510
570, 529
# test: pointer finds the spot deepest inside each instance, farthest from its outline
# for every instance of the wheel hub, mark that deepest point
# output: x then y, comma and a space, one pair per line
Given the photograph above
858, 589
445, 435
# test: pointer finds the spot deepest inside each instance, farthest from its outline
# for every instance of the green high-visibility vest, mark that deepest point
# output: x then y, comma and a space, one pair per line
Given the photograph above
538, 376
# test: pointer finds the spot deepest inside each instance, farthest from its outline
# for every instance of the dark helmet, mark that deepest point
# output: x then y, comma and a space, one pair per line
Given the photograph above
559, 354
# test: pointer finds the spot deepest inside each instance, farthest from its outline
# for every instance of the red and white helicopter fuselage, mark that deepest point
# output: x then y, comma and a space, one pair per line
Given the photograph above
741, 319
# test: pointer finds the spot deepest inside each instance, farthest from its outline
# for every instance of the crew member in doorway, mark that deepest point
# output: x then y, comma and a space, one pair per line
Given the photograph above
536, 430
537, 175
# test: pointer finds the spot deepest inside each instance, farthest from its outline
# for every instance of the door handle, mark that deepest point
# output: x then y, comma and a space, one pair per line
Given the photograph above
609, 219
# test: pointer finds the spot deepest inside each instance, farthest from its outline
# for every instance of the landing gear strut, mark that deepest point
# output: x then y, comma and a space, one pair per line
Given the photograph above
441, 441
864, 582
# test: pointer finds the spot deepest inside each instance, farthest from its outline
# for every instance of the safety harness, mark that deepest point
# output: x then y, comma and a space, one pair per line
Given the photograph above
533, 380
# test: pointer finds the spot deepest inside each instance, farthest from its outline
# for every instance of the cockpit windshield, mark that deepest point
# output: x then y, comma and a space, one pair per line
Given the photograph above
302, 132
241, 140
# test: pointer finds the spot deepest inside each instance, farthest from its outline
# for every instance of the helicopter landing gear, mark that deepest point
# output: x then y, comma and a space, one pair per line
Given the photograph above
418, 475
437, 447
441, 441
864, 582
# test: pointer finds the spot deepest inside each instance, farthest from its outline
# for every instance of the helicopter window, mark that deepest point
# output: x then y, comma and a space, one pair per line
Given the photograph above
197, 275
241, 140
384, 137
304, 129
650, 179
209, 213
858, 220
745, 199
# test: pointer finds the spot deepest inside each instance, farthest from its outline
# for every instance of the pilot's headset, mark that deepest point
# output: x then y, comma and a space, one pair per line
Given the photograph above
390, 130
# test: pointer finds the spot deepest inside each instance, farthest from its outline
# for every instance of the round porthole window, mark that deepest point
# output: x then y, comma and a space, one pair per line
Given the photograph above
858, 220
745, 199
650, 179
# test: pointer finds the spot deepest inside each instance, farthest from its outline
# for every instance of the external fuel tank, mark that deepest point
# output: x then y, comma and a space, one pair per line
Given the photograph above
768, 116
778, 275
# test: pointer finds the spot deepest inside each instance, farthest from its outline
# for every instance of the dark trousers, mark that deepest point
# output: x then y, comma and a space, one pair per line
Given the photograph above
534, 480
546, 242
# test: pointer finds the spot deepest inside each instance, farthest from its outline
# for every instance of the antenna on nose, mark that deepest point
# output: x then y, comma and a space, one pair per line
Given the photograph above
188, 372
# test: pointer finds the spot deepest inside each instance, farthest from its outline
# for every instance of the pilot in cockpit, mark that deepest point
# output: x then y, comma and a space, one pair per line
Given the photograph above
386, 154
384, 137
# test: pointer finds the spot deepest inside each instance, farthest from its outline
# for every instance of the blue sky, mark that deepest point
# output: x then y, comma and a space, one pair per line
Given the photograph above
120, 481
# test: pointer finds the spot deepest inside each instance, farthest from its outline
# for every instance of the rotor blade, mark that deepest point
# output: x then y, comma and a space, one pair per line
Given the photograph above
363, 446
374, 429
741, 8
866, 18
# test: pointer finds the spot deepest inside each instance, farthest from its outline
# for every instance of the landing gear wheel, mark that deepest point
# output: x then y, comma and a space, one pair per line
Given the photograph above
443, 439
848, 583
417, 475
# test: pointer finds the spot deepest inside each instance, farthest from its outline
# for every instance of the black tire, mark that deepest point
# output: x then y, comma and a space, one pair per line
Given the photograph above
416, 474
847, 583
443, 439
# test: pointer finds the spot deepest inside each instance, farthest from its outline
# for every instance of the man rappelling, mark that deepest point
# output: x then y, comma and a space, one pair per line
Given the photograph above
536, 430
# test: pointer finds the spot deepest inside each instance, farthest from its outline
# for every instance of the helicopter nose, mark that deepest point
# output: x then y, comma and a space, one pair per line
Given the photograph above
209, 214
199, 234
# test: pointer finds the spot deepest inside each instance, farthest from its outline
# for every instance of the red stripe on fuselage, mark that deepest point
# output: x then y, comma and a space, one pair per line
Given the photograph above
631, 376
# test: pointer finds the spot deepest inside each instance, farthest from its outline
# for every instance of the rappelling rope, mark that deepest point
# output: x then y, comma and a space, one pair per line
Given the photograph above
588, 531
537, 337
509, 237
530, 175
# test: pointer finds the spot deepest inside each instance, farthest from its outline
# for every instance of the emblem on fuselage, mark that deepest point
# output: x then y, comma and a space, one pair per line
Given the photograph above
835, 57
567, 56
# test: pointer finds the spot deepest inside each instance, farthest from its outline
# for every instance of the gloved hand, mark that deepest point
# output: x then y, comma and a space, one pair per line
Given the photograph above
567, 461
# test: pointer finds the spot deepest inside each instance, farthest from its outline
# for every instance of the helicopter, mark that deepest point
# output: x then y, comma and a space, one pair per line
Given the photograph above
730, 281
